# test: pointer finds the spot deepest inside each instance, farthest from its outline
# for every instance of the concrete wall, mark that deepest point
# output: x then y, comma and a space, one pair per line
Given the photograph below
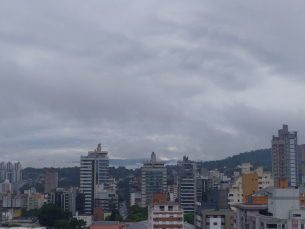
282, 201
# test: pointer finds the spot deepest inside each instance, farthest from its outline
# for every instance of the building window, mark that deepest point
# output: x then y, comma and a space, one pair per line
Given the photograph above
162, 208
271, 225
170, 208
215, 223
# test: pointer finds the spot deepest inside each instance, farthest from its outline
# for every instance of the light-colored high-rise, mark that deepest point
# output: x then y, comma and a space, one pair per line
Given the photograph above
187, 184
154, 179
284, 157
94, 176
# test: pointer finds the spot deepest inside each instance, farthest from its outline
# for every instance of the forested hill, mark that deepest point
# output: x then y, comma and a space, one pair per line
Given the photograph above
261, 157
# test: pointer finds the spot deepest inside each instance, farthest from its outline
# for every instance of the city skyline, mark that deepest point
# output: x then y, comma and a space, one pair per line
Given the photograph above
207, 79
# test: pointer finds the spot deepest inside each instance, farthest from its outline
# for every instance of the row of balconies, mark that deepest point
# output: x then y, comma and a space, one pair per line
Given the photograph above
167, 226
168, 219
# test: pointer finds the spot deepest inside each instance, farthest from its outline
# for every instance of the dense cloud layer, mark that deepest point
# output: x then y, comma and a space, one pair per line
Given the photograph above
207, 79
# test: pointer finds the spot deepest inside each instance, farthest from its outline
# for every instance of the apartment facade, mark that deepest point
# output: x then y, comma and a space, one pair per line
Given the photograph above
135, 198
248, 183
65, 199
94, 175
281, 211
303, 165
154, 179
173, 192
187, 184
164, 214
50, 181
284, 157
106, 198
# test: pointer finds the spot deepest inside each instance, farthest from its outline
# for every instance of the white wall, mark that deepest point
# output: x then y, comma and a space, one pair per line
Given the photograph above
215, 223
282, 201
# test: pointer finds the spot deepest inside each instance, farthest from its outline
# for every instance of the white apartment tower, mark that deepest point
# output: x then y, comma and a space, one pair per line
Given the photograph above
94, 176
154, 179
285, 157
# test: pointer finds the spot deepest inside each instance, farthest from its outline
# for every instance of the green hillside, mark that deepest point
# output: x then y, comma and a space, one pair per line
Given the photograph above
261, 157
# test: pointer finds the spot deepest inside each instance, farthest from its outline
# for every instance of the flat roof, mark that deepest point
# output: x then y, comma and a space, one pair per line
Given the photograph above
251, 206
105, 223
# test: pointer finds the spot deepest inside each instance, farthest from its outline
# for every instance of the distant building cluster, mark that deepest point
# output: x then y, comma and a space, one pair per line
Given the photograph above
11, 172
245, 197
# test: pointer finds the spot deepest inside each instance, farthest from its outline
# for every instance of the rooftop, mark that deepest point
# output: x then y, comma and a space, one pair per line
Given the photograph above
105, 223
251, 206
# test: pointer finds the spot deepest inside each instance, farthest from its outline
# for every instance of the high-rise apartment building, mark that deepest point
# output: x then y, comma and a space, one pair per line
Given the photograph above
50, 181
154, 179
187, 184
284, 157
65, 199
303, 165
94, 176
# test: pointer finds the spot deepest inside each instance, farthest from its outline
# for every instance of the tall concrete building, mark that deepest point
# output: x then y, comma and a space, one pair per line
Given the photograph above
94, 176
154, 179
187, 184
303, 165
285, 157
50, 181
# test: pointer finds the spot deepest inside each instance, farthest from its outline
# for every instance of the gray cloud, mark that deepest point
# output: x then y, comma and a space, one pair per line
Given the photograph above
207, 79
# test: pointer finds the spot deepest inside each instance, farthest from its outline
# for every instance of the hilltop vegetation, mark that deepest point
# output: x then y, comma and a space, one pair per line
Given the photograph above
261, 157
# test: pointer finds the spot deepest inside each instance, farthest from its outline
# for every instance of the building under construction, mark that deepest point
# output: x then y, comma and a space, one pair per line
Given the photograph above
285, 158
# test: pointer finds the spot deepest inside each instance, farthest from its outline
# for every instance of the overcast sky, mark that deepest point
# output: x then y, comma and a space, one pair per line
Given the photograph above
207, 79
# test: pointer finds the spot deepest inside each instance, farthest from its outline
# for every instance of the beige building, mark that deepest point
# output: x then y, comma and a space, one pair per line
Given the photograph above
173, 192
135, 199
32, 201
247, 183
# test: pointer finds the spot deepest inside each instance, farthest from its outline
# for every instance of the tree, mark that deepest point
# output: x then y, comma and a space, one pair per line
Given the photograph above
189, 218
137, 214
77, 224
117, 217
32, 213
61, 224
50, 213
